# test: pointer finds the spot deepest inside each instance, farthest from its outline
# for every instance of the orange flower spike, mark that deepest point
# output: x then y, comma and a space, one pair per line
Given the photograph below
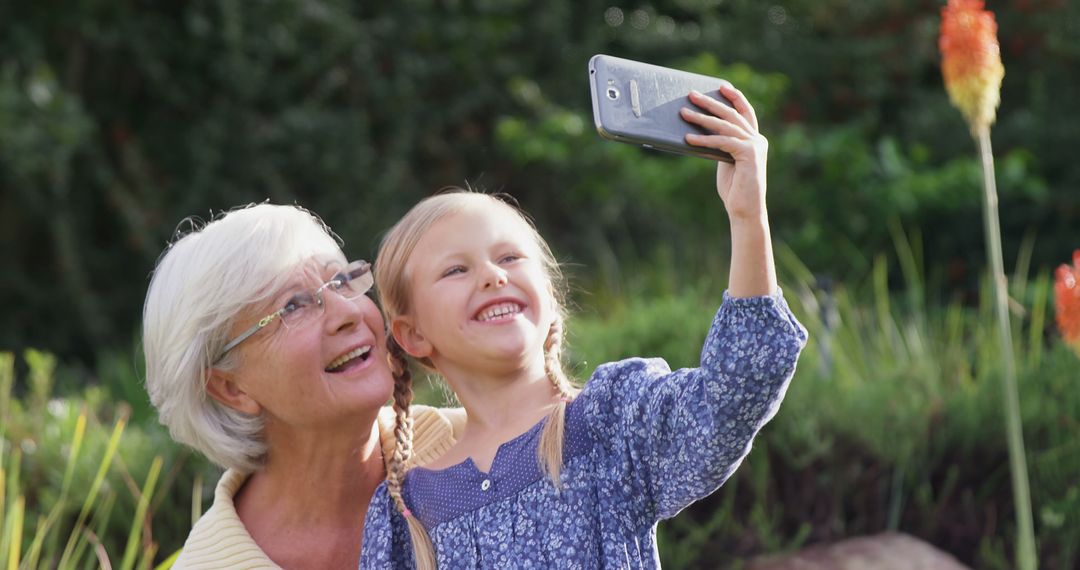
1067, 301
971, 61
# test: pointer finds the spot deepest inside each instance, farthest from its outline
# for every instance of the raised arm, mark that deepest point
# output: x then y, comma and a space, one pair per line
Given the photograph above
741, 186
679, 435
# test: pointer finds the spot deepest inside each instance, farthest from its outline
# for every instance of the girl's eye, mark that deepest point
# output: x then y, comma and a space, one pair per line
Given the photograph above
509, 258
453, 271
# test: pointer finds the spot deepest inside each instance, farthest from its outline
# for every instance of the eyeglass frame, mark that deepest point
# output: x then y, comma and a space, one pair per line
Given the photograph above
339, 280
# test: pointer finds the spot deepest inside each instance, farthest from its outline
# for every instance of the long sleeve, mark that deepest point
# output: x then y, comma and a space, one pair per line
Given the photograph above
677, 436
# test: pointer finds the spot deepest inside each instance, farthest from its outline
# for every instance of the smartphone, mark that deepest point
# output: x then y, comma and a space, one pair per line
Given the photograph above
638, 103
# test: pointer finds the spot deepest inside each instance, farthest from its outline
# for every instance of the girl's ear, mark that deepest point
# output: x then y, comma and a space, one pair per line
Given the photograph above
222, 387
410, 338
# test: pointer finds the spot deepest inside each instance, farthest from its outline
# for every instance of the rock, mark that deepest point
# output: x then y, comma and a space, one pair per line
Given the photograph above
887, 551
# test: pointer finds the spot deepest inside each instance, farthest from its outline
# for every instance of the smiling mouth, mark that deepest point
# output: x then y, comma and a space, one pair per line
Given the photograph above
355, 356
498, 312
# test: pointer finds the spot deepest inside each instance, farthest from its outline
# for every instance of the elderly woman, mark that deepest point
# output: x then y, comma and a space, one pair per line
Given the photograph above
265, 353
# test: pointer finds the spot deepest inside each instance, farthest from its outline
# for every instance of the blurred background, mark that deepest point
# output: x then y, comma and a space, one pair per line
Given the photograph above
120, 119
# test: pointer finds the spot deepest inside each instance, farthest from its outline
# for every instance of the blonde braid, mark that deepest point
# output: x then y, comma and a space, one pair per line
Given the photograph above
550, 450
553, 361
423, 550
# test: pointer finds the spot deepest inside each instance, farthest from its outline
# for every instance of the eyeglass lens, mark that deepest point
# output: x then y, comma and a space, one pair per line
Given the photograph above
349, 284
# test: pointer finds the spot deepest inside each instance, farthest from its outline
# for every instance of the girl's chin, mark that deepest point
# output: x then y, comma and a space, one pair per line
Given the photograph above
514, 355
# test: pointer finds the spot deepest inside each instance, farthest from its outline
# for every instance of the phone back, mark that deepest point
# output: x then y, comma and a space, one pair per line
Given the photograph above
639, 103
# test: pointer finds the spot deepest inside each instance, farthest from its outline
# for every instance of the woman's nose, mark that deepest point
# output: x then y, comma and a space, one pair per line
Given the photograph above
341, 313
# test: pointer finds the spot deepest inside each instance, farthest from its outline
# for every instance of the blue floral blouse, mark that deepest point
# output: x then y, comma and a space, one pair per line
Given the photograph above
642, 443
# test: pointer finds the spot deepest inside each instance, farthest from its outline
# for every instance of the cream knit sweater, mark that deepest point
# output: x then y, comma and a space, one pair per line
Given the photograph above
219, 540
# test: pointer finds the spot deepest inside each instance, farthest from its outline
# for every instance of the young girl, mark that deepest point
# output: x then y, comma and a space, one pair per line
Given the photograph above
544, 475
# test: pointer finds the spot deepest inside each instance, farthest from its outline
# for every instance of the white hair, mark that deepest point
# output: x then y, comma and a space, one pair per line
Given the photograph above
201, 283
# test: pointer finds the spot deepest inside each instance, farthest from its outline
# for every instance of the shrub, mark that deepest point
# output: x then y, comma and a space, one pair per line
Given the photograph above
79, 485
891, 423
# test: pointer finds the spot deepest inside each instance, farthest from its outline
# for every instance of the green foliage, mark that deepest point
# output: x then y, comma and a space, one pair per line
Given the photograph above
78, 484
891, 423
668, 325
353, 110
117, 121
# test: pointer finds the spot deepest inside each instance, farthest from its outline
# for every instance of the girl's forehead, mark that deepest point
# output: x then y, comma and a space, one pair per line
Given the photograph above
486, 219
467, 234
468, 231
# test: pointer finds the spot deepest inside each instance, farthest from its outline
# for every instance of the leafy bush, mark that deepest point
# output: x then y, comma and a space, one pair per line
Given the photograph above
79, 485
892, 423
118, 120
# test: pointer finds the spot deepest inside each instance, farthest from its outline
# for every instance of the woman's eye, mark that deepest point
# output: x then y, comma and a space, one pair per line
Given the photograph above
295, 303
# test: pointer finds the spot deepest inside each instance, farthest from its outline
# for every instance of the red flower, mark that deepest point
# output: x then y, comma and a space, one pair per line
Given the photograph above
971, 60
1067, 301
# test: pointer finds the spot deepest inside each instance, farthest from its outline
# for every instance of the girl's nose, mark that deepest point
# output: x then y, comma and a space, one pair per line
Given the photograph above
495, 277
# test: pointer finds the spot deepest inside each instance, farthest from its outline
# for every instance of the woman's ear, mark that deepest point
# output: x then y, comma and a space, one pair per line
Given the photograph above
410, 338
223, 387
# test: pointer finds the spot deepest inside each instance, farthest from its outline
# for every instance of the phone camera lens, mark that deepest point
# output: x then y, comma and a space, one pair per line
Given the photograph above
612, 93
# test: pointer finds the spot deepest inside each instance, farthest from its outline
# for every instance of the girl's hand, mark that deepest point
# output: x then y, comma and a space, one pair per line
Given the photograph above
734, 130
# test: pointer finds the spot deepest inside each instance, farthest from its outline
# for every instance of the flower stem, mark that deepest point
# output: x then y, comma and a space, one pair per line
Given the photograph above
1025, 543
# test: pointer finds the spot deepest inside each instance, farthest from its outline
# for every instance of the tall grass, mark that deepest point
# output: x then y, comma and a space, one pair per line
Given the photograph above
892, 421
62, 476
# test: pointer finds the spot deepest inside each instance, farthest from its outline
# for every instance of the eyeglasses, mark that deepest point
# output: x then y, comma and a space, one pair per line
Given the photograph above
350, 284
